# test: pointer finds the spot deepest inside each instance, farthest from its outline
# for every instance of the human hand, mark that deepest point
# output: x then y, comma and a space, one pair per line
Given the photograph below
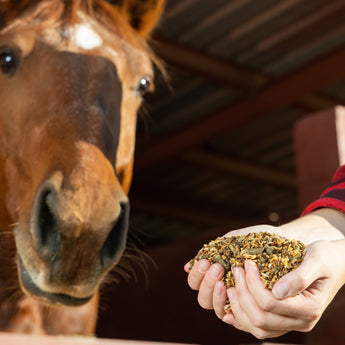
297, 300
312, 286
205, 277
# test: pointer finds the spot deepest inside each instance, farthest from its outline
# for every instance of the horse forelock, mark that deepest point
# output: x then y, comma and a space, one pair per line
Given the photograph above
52, 13
16, 8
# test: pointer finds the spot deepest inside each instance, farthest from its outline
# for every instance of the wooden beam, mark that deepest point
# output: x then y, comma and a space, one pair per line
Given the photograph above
238, 167
281, 93
208, 66
319, 137
29, 339
317, 102
224, 72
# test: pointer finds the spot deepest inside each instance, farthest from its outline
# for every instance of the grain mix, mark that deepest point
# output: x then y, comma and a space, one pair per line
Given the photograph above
274, 255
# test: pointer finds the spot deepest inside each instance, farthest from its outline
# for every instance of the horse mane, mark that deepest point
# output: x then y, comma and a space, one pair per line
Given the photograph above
58, 11
140, 15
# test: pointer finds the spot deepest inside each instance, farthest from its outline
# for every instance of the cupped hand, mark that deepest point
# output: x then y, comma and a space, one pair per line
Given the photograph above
207, 279
297, 300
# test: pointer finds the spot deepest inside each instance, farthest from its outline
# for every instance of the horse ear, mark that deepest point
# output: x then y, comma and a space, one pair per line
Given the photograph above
142, 15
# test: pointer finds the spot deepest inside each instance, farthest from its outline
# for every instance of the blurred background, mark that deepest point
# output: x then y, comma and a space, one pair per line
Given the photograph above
216, 149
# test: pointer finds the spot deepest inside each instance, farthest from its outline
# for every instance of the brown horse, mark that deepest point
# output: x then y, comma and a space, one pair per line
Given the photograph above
72, 76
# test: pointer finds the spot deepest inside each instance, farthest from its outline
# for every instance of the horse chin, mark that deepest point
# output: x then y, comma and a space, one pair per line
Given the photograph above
48, 298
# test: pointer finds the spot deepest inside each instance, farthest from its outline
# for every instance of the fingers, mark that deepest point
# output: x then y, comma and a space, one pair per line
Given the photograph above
240, 319
256, 310
296, 302
219, 299
187, 267
197, 274
206, 278
249, 316
206, 291
302, 277
246, 301
262, 296
300, 307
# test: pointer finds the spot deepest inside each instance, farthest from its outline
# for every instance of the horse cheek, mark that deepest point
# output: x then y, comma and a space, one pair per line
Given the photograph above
14, 197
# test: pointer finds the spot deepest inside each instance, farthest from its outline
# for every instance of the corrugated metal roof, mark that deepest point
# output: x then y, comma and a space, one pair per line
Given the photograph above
264, 41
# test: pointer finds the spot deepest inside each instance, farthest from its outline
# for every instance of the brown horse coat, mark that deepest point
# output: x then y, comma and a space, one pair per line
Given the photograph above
72, 74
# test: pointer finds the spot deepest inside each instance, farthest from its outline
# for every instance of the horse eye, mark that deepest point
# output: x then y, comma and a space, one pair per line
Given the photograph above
144, 86
9, 62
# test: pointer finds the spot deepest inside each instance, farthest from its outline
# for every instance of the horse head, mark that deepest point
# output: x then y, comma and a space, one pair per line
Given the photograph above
72, 76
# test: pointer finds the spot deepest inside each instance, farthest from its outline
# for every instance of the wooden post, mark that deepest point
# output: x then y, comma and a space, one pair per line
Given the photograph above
320, 150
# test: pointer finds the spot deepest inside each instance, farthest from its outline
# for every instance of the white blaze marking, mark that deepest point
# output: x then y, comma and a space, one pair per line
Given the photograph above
85, 38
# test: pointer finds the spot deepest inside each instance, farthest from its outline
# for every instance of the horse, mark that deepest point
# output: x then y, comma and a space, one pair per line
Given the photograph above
72, 78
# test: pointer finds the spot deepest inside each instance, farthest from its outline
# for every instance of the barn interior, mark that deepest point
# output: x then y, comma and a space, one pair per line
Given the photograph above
216, 148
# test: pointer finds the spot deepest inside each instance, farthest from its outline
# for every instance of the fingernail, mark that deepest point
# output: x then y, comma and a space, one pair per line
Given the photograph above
203, 266
188, 266
215, 272
281, 290
250, 265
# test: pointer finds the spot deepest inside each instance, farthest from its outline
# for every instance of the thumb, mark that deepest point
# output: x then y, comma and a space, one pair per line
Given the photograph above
301, 278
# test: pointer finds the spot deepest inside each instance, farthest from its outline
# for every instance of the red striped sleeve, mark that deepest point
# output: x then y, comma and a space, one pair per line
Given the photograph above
333, 196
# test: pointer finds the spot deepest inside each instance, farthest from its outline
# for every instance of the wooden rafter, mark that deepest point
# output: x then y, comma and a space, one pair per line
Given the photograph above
208, 66
280, 93
224, 72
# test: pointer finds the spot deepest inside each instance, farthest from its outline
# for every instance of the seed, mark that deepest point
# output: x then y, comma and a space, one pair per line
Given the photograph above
274, 255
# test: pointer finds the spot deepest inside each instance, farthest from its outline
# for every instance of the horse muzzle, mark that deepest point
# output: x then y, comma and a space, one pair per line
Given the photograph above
34, 290
74, 237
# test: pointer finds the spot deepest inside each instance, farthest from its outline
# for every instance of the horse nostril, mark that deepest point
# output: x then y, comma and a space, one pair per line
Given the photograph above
46, 229
116, 240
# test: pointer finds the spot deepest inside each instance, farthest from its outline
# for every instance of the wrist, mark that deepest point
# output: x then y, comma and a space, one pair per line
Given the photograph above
322, 224
339, 249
